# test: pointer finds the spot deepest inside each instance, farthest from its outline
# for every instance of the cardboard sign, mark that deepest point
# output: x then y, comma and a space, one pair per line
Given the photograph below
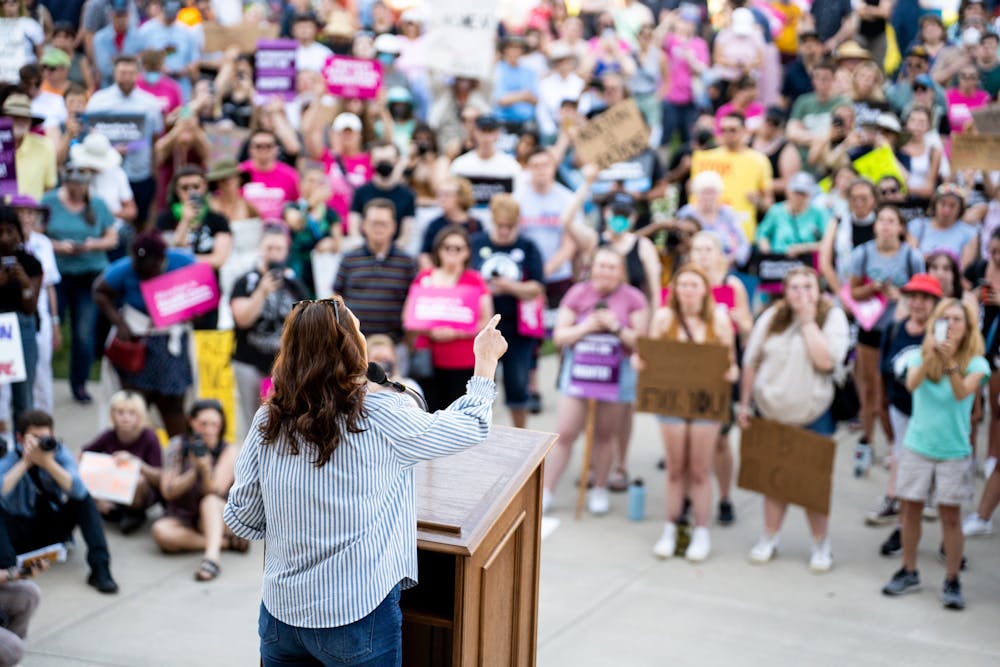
225, 141
353, 78
213, 350
12, 367
597, 360
121, 129
787, 463
8, 161
683, 380
12, 53
613, 136
108, 479
274, 68
457, 32
181, 295
987, 119
454, 307
245, 36
975, 151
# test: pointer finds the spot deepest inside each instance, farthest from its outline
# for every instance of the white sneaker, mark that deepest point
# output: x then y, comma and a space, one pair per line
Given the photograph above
700, 545
973, 526
822, 557
989, 465
667, 544
764, 550
598, 500
547, 499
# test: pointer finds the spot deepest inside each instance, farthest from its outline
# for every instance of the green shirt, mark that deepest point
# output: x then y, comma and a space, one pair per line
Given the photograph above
989, 80
66, 226
781, 229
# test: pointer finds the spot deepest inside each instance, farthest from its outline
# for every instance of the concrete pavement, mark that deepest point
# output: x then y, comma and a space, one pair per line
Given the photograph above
604, 599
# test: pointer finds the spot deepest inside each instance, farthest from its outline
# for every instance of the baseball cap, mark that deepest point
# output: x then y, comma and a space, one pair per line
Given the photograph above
922, 283
888, 121
622, 203
487, 122
802, 183
54, 57
347, 121
924, 80
119, 6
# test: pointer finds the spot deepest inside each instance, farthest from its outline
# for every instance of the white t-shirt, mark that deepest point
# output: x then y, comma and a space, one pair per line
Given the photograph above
541, 216
495, 175
113, 187
40, 247
311, 57
51, 107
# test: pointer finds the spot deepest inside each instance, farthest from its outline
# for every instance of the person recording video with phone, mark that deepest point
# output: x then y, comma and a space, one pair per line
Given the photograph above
197, 475
44, 499
260, 301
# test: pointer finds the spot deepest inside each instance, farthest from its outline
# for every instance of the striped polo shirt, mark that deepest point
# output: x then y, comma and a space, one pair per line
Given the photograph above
340, 537
375, 288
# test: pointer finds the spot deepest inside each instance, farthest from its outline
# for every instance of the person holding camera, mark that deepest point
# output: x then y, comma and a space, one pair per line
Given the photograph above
43, 499
19, 599
196, 479
260, 301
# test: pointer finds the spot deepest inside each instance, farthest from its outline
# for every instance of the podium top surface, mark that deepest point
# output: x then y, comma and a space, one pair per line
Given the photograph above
460, 496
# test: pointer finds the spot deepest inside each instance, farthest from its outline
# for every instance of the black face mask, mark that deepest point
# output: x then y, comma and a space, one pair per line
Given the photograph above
704, 137
384, 169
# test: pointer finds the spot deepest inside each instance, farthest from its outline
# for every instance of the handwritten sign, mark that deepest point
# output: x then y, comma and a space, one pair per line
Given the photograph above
455, 307
213, 350
12, 367
787, 463
683, 379
594, 373
181, 295
975, 151
613, 136
274, 68
353, 78
987, 119
121, 129
108, 479
8, 161
244, 36
12, 54
457, 31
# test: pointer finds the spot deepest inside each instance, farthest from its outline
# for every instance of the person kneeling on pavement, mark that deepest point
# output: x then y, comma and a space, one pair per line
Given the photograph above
44, 499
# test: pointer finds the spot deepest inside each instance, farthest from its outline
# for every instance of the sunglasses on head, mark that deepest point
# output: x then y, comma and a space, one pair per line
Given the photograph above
332, 301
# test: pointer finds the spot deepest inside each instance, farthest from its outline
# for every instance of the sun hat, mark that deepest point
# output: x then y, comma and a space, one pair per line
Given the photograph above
225, 168
18, 105
94, 152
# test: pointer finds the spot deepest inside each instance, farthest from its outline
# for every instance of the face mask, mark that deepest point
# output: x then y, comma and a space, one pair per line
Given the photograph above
153, 78
704, 137
618, 224
386, 58
384, 169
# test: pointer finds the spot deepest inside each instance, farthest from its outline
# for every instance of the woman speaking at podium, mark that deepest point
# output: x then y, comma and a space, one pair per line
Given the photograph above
325, 478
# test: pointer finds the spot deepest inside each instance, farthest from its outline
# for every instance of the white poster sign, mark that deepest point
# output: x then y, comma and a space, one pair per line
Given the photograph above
461, 35
11, 354
12, 52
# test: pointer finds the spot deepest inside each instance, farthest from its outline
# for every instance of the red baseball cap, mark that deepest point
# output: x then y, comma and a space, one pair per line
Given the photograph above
924, 284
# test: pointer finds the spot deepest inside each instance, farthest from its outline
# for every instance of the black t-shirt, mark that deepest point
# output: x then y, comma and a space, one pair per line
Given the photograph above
797, 80
10, 292
471, 225
258, 344
400, 195
520, 261
201, 237
897, 345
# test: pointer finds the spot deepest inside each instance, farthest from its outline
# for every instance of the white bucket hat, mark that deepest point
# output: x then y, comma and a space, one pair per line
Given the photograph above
94, 152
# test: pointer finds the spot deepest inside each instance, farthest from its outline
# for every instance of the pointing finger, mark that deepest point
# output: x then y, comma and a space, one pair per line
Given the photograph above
492, 324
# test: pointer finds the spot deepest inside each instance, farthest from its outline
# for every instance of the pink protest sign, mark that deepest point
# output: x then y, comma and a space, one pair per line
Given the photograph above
352, 77
181, 294
531, 317
455, 307
867, 313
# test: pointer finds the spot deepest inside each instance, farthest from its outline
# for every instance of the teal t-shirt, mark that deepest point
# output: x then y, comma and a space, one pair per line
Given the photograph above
782, 229
940, 426
66, 226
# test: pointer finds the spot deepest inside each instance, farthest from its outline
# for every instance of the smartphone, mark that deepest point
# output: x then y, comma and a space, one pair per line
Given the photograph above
196, 199
8, 262
941, 330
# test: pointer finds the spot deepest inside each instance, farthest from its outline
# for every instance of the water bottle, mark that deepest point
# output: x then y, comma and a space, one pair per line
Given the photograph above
636, 500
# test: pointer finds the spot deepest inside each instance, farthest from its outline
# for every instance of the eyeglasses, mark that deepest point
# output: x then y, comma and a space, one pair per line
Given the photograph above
263, 147
188, 187
454, 248
332, 301
920, 89
49, 68
885, 192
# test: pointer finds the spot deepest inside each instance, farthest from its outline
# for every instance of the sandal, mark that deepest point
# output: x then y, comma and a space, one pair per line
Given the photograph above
238, 544
618, 481
207, 571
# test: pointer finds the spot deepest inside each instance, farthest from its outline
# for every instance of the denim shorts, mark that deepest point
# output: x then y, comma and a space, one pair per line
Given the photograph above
373, 641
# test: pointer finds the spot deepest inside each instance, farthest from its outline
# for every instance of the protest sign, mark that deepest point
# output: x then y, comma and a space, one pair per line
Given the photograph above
54, 553
531, 317
225, 141
867, 313
874, 165
108, 479
457, 30
12, 367
274, 69
787, 463
683, 379
454, 307
594, 373
615, 135
180, 295
121, 129
987, 119
484, 187
975, 151
12, 54
213, 350
245, 36
8, 159
354, 78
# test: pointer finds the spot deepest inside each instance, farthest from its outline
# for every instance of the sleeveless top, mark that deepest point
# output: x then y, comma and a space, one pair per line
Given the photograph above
673, 331
647, 73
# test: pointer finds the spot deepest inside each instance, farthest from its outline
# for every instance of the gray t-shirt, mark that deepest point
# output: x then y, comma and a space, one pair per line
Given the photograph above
929, 239
868, 262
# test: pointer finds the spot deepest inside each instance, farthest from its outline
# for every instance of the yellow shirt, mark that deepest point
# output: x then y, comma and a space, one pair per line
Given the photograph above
743, 173
35, 163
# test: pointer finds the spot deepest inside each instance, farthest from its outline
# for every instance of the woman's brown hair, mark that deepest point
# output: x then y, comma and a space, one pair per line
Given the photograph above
319, 380
707, 313
784, 315
445, 234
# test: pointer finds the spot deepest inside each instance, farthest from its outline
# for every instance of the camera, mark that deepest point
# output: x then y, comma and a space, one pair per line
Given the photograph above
673, 239
48, 443
195, 199
195, 444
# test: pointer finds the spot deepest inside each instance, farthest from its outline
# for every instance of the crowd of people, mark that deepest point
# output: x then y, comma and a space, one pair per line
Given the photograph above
798, 178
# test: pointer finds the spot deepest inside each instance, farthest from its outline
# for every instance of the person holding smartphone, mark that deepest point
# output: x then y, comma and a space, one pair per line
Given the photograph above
19, 600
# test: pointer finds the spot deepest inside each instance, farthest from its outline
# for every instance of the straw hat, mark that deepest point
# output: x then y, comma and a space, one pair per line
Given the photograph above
94, 152
851, 50
18, 105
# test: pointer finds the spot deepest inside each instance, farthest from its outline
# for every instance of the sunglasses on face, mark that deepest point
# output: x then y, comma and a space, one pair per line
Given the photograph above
920, 89
888, 191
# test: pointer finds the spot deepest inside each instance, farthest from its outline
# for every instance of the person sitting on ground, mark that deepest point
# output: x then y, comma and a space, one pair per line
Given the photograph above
196, 479
18, 601
130, 439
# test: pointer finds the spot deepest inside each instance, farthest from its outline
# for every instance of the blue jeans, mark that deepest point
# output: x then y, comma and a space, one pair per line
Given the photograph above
74, 293
373, 641
22, 393
679, 118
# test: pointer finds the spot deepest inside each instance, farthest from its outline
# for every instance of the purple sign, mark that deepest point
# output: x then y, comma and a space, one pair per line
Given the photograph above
274, 65
594, 372
8, 174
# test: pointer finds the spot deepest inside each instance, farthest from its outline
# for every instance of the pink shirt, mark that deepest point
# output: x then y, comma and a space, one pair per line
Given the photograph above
166, 91
960, 107
454, 354
582, 298
679, 89
359, 171
270, 191
754, 115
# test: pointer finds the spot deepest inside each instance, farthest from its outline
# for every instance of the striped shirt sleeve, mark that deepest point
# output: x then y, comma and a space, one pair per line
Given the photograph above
244, 513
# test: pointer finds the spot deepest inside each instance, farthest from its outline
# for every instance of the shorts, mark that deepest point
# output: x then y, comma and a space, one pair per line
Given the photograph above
664, 419
949, 482
516, 364
824, 424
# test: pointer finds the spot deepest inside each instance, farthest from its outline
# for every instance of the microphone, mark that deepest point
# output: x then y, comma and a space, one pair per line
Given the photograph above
377, 375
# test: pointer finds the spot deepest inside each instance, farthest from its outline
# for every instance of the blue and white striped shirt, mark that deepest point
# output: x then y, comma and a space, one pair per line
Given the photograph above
340, 537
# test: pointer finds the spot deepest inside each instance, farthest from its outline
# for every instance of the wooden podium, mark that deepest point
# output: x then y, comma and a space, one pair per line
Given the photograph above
478, 522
